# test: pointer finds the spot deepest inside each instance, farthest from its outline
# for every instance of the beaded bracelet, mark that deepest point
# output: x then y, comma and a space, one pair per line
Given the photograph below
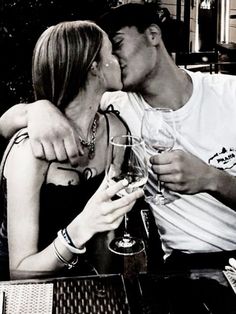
69, 265
65, 239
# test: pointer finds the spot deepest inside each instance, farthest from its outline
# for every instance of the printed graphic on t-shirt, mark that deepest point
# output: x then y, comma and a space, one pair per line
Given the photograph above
226, 159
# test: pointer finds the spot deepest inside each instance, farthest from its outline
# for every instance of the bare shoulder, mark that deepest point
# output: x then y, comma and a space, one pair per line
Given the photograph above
116, 125
22, 163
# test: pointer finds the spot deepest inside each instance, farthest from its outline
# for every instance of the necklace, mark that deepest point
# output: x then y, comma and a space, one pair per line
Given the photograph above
91, 144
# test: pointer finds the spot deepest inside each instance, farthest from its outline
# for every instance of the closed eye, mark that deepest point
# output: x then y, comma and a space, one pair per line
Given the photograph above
116, 45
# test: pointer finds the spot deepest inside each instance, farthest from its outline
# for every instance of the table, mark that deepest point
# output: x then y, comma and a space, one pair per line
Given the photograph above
196, 292
79, 295
132, 288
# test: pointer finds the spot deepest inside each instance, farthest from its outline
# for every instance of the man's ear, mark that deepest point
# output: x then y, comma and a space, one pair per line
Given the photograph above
153, 33
94, 68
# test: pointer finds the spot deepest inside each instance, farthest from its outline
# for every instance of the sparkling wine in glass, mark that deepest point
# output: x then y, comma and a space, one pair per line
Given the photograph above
158, 133
127, 160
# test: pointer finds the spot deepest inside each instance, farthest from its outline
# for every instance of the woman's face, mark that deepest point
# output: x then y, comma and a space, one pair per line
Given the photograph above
110, 68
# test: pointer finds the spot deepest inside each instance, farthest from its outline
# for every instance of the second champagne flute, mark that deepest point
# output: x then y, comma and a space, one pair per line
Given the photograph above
127, 160
159, 134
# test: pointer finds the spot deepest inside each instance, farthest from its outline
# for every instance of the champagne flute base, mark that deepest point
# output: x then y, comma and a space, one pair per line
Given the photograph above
126, 245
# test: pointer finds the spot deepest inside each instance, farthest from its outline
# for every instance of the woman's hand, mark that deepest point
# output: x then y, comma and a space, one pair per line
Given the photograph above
101, 213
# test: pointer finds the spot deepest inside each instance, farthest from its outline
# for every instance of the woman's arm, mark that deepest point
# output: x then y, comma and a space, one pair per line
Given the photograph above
13, 119
25, 175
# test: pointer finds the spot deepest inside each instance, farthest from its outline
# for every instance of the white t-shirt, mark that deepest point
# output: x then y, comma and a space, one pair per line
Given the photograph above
206, 128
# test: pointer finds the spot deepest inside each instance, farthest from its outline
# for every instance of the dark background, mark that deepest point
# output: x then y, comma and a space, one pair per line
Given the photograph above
21, 23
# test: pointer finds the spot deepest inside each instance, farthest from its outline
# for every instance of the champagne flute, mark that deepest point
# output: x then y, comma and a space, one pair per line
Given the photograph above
127, 160
158, 133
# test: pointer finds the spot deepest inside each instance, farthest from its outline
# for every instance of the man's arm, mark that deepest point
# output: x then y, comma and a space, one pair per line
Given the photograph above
51, 134
187, 174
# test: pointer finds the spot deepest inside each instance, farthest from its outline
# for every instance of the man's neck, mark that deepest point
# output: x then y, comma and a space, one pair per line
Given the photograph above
172, 89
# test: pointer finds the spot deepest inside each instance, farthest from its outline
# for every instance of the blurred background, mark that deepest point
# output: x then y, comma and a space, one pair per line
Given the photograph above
202, 35
21, 23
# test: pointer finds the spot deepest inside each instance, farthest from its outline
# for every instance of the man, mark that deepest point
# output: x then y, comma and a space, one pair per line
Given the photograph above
198, 227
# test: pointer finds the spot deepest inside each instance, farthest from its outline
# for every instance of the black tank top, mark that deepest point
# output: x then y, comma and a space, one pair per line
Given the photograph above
59, 205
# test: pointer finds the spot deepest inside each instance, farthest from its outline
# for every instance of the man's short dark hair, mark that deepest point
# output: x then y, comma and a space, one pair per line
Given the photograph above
130, 14
140, 16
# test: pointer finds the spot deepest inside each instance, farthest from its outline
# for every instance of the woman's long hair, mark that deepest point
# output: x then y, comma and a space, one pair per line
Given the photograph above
62, 58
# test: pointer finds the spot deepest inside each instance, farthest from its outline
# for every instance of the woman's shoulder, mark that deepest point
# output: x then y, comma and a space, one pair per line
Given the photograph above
116, 124
19, 155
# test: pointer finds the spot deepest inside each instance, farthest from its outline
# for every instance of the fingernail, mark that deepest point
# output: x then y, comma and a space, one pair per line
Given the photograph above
141, 192
125, 182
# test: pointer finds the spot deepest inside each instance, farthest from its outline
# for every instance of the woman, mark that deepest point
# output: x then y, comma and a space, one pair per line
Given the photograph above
50, 221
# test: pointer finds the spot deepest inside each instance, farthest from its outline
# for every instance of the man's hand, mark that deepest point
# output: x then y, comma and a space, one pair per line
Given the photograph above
51, 134
182, 172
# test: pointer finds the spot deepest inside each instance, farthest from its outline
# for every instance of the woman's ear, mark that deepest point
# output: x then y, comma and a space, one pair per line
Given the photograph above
153, 33
94, 68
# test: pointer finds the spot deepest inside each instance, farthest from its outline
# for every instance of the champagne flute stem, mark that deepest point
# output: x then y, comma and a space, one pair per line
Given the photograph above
126, 234
159, 187
160, 190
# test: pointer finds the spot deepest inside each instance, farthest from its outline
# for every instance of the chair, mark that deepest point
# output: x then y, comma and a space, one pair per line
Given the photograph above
204, 61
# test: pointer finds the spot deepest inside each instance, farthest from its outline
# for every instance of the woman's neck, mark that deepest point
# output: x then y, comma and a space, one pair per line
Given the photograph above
82, 110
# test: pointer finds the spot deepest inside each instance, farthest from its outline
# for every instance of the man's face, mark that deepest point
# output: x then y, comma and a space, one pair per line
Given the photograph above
136, 55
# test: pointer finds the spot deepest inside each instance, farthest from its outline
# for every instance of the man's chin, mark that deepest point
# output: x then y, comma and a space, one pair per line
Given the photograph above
129, 88
115, 89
